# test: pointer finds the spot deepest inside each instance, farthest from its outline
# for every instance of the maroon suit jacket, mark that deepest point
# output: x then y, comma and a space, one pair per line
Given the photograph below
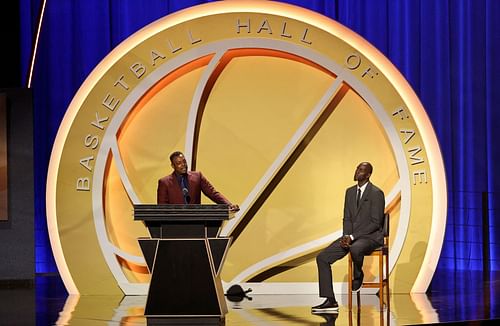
170, 191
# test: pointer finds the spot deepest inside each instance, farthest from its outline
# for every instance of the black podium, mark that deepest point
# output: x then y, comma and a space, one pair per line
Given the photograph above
184, 256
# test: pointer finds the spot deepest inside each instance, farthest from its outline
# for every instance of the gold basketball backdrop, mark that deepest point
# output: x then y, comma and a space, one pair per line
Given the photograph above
276, 105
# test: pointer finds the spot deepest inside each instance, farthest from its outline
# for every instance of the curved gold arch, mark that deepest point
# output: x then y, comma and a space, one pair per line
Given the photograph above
65, 234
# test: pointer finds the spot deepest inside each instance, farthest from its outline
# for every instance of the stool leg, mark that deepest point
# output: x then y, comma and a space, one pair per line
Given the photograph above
387, 280
381, 280
349, 282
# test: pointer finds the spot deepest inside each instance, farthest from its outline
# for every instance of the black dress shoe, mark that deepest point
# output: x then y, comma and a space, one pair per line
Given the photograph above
328, 306
356, 283
356, 286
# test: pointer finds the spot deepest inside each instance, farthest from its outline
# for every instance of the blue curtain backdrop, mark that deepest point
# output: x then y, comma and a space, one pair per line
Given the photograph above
448, 51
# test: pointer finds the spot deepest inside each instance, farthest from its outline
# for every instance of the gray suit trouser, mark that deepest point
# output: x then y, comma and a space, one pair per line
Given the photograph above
359, 248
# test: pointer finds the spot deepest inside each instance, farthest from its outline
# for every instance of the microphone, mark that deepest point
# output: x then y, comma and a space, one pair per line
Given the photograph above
187, 198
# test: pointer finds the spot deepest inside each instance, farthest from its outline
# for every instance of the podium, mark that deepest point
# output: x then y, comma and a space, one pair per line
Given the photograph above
184, 256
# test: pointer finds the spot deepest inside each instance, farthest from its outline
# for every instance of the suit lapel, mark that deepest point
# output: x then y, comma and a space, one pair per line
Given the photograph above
189, 178
353, 200
365, 195
175, 180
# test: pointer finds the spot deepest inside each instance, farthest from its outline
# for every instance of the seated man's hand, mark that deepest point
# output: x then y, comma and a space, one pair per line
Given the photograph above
234, 208
345, 241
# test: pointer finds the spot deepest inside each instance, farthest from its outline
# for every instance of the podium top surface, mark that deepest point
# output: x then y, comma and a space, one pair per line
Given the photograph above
168, 212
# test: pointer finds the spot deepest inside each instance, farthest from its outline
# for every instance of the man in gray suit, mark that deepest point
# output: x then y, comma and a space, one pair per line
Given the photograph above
362, 233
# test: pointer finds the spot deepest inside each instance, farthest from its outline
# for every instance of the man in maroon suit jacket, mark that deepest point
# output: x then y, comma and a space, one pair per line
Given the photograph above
185, 187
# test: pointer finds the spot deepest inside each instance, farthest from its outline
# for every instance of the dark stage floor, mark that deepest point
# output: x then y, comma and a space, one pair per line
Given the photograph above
464, 298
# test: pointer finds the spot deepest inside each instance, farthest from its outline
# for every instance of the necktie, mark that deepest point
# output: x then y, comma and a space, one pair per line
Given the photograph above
358, 197
185, 190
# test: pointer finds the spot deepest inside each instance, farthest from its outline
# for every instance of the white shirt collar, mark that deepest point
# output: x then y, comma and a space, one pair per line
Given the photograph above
362, 188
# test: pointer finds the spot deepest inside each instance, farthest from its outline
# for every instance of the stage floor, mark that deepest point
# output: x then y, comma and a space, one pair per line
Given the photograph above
48, 304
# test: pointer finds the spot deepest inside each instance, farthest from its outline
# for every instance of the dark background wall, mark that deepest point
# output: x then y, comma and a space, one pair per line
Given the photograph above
10, 75
17, 242
17, 253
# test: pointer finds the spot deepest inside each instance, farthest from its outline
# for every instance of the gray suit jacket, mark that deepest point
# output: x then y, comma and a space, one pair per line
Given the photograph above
365, 221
